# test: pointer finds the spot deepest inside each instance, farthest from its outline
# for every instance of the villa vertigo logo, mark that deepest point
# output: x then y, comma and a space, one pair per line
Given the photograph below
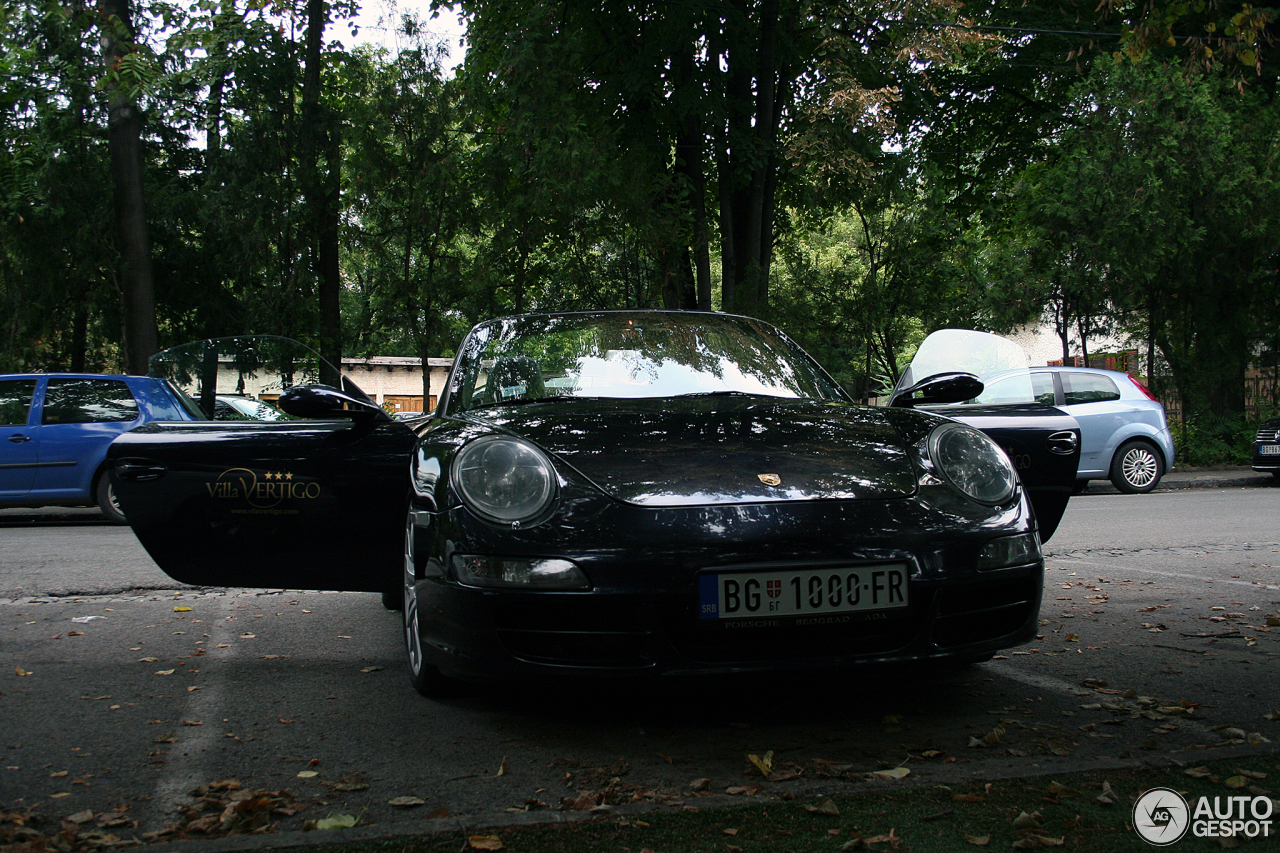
268, 491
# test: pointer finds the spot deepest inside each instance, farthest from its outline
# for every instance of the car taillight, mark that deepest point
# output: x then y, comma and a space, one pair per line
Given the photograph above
1143, 389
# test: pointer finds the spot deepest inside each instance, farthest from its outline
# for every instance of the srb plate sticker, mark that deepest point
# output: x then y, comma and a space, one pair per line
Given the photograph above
802, 592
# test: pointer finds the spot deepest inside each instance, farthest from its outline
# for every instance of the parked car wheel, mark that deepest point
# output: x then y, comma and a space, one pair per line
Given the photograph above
107, 501
425, 678
1136, 468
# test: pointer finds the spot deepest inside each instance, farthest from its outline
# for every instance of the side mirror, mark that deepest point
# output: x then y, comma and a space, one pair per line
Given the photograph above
939, 388
320, 402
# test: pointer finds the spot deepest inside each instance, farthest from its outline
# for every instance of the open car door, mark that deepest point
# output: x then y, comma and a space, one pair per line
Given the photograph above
1042, 442
315, 501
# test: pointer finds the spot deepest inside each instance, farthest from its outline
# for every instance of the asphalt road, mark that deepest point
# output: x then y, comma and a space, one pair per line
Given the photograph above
122, 691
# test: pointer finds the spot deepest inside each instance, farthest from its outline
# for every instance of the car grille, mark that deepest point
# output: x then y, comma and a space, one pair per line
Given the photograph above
748, 645
1268, 434
578, 648
986, 611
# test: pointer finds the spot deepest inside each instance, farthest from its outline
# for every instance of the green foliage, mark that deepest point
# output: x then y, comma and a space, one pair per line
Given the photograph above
872, 178
1154, 215
1219, 439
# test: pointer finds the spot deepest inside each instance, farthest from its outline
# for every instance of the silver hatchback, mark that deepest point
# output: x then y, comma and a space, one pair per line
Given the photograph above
1124, 436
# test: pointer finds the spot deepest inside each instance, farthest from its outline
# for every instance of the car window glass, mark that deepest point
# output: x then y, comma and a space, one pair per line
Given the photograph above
1042, 387
82, 401
164, 404
1088, 388
632, 356
15, 401
1008, 389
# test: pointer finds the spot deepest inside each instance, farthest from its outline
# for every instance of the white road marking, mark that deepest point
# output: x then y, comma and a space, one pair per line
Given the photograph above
1067, 562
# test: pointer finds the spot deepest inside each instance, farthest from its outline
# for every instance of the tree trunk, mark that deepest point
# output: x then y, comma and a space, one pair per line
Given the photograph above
124, 140
320, 144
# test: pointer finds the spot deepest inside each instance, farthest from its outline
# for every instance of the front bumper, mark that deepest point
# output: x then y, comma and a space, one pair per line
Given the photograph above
1267, 463
480, 634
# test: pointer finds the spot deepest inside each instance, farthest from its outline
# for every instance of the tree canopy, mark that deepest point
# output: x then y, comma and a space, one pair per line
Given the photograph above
860, 171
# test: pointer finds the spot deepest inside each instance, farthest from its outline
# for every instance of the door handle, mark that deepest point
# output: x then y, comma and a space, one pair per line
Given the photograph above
140, 470
1064, 443
18, 438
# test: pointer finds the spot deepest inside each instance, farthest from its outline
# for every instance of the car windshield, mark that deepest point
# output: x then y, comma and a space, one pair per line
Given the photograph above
983, 354
629, 355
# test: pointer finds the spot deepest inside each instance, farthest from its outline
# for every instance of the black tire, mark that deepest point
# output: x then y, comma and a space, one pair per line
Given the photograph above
425, 678
1137, 467
1276, 474
393, 599
105, 495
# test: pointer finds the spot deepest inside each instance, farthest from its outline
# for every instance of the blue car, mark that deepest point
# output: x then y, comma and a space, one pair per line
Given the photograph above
1124, 436
55, 429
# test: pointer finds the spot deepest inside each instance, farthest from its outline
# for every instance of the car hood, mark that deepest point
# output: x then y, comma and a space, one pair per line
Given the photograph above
694, 451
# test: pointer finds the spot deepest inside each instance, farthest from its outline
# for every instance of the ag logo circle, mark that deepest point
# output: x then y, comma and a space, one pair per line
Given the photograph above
1161, 816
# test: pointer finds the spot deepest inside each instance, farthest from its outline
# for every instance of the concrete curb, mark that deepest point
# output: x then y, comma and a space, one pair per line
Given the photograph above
1224, 477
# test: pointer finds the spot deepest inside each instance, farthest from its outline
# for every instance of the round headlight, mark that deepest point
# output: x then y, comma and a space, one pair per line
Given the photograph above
972, 463
504, 479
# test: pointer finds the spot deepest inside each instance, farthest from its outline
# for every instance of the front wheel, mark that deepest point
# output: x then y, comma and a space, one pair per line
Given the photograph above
105, 495
1136, 468
424, 677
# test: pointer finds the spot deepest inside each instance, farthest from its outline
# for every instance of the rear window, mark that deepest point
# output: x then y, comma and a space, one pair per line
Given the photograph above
15, 401
1088, 388
88, 401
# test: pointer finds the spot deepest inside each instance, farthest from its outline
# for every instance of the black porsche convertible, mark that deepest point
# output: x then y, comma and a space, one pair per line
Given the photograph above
621, 493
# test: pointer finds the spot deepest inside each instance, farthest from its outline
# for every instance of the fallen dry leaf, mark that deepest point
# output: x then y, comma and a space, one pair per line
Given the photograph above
406, 802
891, 838
337, 821
826, 806
895, 773
485, 842
991, 738
978, 840
19, 671
763, 763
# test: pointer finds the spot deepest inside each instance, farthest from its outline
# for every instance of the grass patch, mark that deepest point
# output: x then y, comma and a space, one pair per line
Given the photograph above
1067, 811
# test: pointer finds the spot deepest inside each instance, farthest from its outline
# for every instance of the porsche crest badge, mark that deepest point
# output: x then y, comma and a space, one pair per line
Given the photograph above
770, 479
